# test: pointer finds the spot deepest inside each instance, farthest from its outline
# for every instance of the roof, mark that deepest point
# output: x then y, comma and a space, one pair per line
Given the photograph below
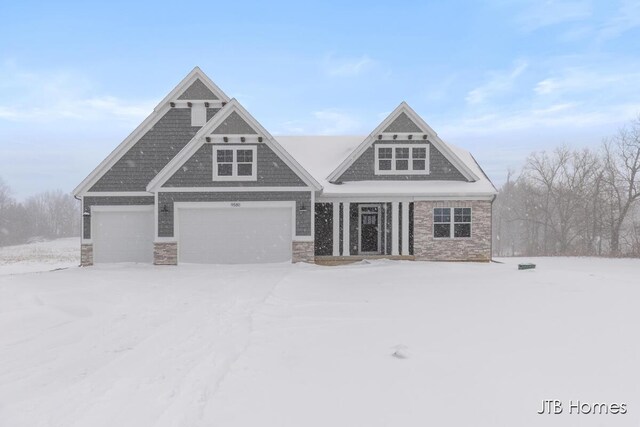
320, 154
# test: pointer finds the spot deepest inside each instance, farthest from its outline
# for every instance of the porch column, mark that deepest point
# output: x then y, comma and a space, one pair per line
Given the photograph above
336, 228
346, 246
395, 223
405, 228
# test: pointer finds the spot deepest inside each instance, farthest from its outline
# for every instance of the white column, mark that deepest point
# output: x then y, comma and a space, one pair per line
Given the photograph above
395, 236
336, 228
346, 249
405, 228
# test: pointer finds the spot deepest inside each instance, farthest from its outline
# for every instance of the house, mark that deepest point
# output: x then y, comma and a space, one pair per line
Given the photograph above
201, 181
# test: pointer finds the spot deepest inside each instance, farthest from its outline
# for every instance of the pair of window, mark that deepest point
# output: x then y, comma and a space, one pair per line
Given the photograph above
402, 159
446, 225
234, 163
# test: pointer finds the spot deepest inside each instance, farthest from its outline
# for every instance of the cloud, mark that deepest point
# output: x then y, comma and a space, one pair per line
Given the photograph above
499, 82
347, 67
583, 80
537, 14
331, 121
61, 94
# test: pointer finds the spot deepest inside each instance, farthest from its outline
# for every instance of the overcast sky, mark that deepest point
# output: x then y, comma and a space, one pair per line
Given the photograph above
499, 78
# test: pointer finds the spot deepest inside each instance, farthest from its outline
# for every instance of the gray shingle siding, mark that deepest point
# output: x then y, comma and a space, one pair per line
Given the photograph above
234, 125
363, 169
271, 171
303, 219
403, 123
110, 201
198, 91
152, 152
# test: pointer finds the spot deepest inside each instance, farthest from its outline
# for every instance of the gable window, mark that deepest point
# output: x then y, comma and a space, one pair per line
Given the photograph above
448, 224
398, 159
235, 163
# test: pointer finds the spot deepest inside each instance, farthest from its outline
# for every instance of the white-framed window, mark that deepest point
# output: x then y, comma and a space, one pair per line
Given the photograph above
402, 159
448, 224
234, 163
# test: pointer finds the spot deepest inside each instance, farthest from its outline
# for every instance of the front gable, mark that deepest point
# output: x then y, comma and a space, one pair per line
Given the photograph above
402, 148
220, 143
149, 148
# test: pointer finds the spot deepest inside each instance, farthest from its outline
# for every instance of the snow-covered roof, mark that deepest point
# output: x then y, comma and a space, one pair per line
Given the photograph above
319, 155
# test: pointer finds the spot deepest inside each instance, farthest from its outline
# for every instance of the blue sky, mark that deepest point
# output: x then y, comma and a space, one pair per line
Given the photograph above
500, 78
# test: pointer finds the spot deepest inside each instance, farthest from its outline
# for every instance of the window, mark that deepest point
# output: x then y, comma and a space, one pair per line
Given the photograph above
397, 159
234, 163
447, 226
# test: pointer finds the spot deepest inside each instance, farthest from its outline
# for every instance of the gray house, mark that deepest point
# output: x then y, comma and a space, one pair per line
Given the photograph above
201, 181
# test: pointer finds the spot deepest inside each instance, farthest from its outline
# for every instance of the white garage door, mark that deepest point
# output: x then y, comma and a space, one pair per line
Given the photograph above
240, 235
122, 234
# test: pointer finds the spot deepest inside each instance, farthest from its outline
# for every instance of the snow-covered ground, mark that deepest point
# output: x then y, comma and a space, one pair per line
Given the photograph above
301, 345
41, 256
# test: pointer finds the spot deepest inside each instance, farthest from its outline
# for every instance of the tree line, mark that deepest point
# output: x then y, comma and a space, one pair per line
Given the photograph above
48, 215
573, 201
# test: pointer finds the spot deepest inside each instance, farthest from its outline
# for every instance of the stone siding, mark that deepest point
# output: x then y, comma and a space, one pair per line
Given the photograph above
86, 254
165, 253
303, 252
475, 248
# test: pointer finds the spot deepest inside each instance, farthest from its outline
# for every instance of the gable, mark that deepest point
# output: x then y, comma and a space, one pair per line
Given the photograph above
363, 168
403, 124
140, 163
396, 124
234, 125
272, 171
198, 91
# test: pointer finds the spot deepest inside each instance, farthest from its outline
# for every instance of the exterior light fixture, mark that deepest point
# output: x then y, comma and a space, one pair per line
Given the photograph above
303, 207
86, 212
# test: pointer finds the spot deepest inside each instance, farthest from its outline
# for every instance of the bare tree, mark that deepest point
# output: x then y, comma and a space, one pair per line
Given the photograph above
621, 178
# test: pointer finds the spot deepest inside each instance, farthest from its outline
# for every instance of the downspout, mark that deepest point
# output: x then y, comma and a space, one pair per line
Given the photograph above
81, 225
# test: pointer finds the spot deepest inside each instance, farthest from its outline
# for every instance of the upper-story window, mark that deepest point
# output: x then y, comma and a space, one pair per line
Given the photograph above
234, 163
398, 159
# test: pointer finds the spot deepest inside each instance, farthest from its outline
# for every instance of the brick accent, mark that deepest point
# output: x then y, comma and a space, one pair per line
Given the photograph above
165, 253
86, 254
475, 248
303, 252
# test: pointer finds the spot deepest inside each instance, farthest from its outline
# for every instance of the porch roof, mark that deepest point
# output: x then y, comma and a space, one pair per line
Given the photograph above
320, 155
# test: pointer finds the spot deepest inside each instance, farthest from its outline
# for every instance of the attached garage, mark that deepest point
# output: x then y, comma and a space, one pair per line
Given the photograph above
122, 233
234, 233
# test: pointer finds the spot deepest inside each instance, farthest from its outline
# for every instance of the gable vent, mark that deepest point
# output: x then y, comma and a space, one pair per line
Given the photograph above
198, 115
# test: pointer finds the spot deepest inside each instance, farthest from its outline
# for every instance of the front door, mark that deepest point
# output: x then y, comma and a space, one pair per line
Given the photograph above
369, 229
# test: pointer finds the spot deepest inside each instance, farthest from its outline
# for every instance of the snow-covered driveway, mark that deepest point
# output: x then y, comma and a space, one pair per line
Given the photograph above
300, 345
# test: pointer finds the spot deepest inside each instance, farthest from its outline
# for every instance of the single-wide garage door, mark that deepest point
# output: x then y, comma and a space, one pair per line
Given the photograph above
241, 235
122, 235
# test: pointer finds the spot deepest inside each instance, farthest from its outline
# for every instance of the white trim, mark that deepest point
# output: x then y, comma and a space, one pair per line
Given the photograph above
405, 228
238, 189
385, 197
312, 219
118, 194
359, 228
234, 139
158, 112
199, 139
410, 159
433, 138
155, 215
346, 213
336, 228
234, 163
395, 223
184, 103
451, 223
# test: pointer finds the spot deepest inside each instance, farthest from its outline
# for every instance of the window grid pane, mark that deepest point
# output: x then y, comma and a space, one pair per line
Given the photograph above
385, 153
384, 165
420, 153
442, 215
402, 165
419, 165
462, 230
245, 169
442, 230
225, 169
225, 156
245, 156
402, 153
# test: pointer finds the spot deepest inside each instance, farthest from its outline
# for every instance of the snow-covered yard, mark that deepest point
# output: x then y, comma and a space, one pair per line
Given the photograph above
301, 345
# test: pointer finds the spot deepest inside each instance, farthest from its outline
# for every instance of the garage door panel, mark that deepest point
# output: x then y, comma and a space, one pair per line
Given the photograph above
123, 236
234, 236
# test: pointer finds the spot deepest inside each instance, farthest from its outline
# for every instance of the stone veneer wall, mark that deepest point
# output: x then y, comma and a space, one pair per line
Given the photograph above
303, 252
86, 254
475, 248
165, 253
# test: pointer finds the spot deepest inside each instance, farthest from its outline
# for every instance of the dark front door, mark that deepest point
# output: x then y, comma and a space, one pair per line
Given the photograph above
369, 229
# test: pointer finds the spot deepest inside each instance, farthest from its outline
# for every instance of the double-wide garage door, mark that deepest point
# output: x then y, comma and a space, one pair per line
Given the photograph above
122, 234
234, 234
